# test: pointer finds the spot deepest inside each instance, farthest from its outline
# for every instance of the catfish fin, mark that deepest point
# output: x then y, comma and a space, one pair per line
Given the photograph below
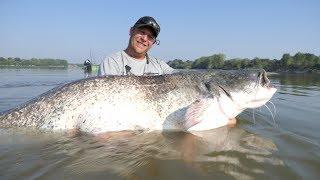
194, 114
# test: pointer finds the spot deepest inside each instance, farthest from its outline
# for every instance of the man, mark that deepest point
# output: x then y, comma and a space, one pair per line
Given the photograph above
135, 60
87, 66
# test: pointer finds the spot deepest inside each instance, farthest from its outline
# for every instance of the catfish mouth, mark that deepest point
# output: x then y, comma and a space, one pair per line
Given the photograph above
263, 79
261, 88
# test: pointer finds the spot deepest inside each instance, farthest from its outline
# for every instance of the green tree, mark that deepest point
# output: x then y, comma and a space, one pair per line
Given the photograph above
287, 61
180, 64
210, 62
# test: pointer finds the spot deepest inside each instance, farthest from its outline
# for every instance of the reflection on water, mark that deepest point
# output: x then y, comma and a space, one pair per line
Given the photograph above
225, 152
304, 79
298, 84
268, 142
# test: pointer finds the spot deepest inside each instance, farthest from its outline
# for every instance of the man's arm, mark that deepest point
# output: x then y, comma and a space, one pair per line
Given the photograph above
166, 68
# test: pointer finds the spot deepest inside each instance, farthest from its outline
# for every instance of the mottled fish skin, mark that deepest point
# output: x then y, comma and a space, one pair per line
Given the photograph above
109, 103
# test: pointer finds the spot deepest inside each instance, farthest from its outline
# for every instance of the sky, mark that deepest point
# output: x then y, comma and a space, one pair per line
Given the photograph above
74, 29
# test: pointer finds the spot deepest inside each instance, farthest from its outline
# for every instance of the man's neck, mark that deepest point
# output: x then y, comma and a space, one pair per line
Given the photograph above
134, 54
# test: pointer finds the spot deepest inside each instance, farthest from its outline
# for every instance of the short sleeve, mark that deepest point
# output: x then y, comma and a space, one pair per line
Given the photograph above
109, 66
166, 68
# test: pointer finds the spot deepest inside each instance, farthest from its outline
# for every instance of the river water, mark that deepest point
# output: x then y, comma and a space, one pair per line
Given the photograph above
279, 141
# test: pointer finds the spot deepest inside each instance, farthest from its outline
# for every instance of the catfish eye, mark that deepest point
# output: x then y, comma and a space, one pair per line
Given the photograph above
208, 86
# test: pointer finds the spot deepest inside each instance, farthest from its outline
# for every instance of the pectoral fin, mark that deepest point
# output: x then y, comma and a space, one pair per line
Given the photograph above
194, 114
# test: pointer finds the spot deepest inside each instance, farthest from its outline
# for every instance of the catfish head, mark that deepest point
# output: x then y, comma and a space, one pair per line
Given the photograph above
228, 93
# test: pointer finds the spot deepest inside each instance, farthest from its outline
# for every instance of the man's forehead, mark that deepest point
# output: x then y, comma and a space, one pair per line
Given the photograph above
146, 29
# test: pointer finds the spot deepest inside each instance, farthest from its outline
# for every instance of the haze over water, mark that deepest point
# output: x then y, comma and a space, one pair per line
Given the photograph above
260, 146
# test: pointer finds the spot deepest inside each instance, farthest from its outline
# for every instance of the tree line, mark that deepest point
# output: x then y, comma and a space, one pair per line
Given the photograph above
34, 62
298, 62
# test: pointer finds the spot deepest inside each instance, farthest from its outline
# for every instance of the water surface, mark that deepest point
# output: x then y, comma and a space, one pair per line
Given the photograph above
277, 141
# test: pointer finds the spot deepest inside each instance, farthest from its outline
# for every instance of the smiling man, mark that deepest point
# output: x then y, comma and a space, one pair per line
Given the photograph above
135, 60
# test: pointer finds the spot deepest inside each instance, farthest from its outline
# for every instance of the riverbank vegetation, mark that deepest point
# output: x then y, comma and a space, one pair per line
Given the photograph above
304, 62
17, 62
301, 62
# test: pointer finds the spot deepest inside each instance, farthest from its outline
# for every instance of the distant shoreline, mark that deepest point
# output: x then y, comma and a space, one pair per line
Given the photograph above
71, 66
29, 67
47, 66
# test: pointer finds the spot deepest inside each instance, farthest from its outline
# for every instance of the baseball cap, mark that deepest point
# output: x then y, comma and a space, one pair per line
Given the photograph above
149, 22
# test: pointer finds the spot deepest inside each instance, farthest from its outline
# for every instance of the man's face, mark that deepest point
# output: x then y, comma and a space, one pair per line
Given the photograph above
141, 39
